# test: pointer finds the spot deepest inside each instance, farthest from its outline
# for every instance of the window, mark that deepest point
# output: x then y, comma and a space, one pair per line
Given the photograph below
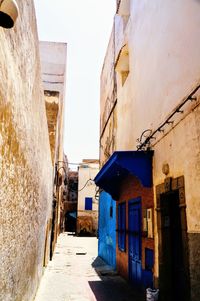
88, 203
122, 226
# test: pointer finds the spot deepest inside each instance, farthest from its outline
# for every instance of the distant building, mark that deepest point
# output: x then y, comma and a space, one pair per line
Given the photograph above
87, 210
71, 202
149, 144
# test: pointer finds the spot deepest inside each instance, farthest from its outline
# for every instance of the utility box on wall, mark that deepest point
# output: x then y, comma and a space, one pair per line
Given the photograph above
148, 222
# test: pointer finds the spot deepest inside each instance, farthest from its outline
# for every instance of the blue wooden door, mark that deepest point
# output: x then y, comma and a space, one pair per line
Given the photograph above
134, 227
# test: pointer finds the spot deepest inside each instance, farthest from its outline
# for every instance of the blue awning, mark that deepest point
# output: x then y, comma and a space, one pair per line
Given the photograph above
122, 163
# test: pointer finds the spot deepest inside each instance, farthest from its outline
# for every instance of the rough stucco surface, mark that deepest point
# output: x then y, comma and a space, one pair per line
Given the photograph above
25, 160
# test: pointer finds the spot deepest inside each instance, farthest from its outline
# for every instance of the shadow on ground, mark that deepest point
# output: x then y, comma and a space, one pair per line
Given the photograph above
112, 287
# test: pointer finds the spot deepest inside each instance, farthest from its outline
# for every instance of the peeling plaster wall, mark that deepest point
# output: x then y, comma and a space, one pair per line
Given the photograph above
25, 160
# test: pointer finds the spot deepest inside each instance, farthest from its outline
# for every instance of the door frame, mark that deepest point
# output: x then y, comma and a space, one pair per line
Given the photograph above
171, 185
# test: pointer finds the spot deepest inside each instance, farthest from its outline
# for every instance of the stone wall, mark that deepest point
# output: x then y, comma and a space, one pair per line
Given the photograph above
25, 160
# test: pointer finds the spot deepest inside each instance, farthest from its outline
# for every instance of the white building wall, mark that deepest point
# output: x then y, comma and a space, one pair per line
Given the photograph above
88, 188
164, 63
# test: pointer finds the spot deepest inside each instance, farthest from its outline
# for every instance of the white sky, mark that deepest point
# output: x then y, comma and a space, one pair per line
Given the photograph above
86, 26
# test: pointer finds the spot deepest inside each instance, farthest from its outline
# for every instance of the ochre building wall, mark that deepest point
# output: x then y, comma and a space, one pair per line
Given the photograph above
25, 160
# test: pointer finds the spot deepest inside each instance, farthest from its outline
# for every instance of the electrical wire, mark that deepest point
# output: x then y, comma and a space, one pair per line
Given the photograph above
73, 163
85, 185
82, 187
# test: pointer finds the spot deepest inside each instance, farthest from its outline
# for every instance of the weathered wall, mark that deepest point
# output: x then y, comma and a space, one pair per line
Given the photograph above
53, 65
53, 61
163, 43
182, 145
25, 160
108, 120
108, 138
52, 107
86, 172
108, 83
157, 35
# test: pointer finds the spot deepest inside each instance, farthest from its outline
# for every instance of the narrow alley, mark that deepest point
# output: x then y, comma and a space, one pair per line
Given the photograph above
76, 274
100, 150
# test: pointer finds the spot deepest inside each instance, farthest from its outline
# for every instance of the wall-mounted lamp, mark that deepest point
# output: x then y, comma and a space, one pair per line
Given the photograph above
8, 13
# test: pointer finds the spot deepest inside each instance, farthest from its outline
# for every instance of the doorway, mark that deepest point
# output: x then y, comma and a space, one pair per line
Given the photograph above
134, 241
173, 252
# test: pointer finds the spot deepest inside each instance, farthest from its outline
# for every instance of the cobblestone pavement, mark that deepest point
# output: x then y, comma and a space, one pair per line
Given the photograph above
76, 274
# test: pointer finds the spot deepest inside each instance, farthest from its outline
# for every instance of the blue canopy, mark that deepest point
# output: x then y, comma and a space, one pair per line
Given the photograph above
122, 163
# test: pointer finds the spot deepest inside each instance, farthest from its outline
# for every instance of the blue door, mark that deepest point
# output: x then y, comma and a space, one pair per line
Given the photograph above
134, 239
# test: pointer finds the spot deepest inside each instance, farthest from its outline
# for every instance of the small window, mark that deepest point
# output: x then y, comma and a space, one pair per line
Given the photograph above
122, 226
88, 203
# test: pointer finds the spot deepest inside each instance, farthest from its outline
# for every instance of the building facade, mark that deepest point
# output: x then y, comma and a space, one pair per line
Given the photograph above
87, 208
150, 101
53, 62
26, 168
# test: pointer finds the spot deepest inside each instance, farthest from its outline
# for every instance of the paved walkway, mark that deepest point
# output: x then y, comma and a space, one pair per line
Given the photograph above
75, 274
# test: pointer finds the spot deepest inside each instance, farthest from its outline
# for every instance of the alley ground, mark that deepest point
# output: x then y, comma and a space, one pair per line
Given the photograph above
76, 274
